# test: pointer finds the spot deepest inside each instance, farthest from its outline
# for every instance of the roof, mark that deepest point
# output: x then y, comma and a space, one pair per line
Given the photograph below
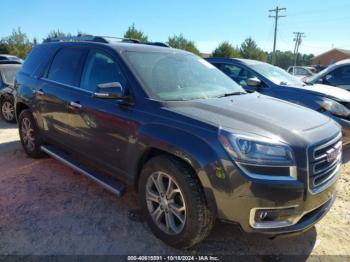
344, 51
10, 66
345, 61
120, 46
240, 60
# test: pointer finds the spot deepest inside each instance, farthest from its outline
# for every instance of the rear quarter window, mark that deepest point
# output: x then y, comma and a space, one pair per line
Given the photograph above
36, 59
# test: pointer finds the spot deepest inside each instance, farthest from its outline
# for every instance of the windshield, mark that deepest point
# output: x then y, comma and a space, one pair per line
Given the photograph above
276, 74
180, 76
315, 77
8, 74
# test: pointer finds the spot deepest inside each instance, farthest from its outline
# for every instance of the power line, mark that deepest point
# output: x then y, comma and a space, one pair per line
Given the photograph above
297, 39
276, 16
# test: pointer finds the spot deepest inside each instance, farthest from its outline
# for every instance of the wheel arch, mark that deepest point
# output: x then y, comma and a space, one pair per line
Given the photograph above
185, 152
19, 107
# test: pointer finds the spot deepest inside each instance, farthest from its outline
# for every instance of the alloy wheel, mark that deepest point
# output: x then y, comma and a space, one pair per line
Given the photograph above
27, 133
8, 111
165, 203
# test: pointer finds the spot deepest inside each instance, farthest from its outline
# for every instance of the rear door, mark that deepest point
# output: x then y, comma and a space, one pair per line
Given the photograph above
55, 92
101, 128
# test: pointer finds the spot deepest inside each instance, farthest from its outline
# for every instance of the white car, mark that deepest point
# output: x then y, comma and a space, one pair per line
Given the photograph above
301, 72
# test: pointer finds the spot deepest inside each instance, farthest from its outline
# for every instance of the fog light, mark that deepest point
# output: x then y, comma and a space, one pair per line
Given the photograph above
274, 217
262, 214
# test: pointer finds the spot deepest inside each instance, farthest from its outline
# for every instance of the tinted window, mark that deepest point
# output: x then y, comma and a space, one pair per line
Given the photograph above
340, 76
66, 66
37, 57
99, 69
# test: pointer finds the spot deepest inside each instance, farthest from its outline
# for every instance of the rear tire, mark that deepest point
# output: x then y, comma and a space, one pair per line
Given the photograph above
29, 134
173, 202
8, 110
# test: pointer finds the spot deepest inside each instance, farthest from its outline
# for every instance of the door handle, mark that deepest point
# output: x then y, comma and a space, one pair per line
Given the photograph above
40, 92
75, 104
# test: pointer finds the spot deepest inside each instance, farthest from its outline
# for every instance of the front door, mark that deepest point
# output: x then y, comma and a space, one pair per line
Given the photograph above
101, 128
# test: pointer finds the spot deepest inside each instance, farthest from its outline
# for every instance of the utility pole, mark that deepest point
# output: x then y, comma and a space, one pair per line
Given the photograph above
297, 39
275, 16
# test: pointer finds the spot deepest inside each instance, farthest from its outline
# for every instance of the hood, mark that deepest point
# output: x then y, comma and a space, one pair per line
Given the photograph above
255, 113
333, 92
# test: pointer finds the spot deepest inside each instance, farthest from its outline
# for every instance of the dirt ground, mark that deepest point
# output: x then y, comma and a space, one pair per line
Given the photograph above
46, 208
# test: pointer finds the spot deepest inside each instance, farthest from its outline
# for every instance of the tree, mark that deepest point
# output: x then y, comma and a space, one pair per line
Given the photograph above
250, 50
283, 59
58, 33
180, 42
133, 33
16, 44
225, 49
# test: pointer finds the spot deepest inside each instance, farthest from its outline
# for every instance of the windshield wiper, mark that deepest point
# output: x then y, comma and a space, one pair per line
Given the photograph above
233, 94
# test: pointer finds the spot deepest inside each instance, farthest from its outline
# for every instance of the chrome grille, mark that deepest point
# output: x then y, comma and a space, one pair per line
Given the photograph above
325, 163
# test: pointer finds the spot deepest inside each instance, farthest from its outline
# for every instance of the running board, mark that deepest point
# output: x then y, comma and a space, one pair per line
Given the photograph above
108, 183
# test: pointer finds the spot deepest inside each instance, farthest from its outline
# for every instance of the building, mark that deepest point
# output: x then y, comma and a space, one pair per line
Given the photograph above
331, 56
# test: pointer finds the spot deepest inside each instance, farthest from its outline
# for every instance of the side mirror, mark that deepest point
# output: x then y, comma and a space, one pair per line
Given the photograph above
254, 82
320, 81
113, 90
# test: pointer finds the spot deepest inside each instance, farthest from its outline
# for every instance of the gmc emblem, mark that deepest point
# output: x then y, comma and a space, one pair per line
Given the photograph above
332, 154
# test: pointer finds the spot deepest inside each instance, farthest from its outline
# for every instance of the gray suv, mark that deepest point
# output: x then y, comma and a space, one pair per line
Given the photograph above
193, 144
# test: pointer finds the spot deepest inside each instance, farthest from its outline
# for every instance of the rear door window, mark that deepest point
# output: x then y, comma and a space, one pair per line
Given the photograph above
66, 66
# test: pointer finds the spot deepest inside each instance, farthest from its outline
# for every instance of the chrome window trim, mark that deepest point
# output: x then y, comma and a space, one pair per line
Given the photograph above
66, 85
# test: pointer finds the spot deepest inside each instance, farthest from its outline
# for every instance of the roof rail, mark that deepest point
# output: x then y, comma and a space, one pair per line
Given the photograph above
100, 39
78, 38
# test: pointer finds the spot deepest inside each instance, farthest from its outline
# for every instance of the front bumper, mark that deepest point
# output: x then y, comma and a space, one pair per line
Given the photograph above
253, 195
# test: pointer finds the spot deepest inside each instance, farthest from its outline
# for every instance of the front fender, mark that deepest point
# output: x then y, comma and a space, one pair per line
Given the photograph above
191, 148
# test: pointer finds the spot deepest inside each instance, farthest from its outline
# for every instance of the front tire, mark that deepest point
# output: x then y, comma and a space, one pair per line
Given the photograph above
8, 110
29, 134
174, 203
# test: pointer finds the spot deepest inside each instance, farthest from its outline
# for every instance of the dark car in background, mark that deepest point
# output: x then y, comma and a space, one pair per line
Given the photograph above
337, 75
193, 144
10, 59
274, 81
7, 78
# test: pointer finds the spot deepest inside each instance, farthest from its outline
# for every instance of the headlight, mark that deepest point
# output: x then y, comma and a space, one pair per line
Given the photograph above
335, 108
250, 150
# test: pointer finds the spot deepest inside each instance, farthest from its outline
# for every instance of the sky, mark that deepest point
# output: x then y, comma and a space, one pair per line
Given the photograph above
326, 24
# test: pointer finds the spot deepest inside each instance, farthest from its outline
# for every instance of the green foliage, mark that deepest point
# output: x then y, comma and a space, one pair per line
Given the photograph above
286, 59
180, 42
133, 33
225, 49
58, 33
16, 44
283, 59
305, 60
250, 50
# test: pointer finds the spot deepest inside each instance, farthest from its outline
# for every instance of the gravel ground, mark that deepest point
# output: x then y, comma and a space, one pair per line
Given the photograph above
48, 209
